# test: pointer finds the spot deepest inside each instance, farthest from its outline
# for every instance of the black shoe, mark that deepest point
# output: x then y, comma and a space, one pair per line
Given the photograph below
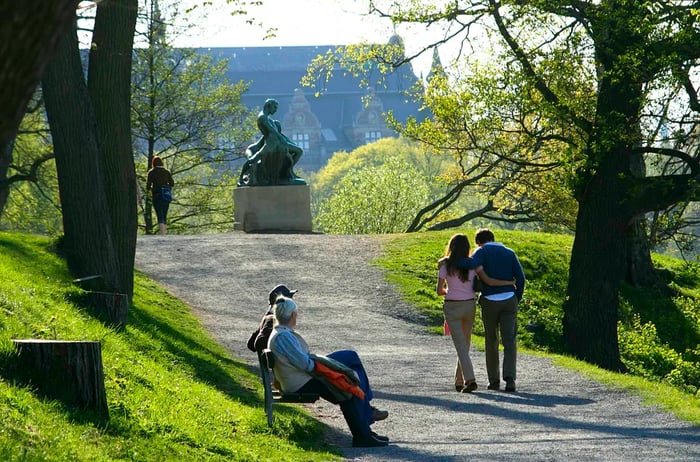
510, 384
470, 387
369, 441
494, 386
459, 388
380, 437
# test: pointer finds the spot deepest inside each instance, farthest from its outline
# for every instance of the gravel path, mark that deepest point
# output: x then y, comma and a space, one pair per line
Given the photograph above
556, 415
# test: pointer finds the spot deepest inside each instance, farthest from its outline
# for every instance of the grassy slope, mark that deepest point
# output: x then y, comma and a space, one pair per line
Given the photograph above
410, 263
173, 392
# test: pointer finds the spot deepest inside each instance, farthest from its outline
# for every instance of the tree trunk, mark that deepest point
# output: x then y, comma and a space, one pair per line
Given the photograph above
29, 33
599, 254
596, 269
109, 82
86, 222
70, 372
640, 269
5, 161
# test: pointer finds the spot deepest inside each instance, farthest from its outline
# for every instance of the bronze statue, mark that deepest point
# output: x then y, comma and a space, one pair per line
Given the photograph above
272, 158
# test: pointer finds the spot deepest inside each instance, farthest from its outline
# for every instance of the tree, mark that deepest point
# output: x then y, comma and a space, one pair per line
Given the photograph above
630, 52
375, 154
92, 144
29, 191
373, 200
185, 111
30, 32
495, 169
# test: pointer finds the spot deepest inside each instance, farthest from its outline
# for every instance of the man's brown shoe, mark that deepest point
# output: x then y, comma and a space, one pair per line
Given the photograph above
378, 414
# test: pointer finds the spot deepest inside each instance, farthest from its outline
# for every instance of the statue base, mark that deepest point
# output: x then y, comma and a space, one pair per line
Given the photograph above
272, 208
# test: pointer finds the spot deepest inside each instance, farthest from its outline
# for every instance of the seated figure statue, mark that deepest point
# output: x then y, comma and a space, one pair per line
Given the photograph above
272, 158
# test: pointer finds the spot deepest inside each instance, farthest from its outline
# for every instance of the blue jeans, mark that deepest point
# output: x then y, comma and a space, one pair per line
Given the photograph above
357, 412
161, 208
351, 359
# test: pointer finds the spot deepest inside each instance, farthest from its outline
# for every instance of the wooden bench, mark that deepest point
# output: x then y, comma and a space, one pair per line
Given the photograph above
267, 361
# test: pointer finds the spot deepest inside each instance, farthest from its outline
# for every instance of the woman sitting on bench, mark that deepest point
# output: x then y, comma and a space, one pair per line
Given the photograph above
293, 369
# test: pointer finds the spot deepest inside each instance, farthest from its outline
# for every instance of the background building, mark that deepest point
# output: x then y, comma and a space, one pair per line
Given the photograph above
343, 117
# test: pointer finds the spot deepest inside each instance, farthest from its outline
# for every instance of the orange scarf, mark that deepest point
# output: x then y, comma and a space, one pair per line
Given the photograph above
339, 380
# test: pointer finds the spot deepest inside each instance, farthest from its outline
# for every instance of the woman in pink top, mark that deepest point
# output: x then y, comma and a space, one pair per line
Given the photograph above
457, 286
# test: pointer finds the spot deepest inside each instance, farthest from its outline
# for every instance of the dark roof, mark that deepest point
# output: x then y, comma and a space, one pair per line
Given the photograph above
275, 72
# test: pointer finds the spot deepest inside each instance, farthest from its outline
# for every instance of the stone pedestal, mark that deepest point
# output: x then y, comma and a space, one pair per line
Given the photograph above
272, 208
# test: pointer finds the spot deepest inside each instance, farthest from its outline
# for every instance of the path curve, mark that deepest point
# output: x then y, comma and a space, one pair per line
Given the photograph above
556, 415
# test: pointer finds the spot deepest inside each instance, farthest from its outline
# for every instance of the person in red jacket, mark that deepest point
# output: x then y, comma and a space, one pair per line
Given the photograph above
159, 182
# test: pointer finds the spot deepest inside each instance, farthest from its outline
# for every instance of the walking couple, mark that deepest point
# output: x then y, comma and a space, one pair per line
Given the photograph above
503, 283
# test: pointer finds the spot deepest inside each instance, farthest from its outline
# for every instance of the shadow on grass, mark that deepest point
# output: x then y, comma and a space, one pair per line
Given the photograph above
16, 375
207, 365
672, 325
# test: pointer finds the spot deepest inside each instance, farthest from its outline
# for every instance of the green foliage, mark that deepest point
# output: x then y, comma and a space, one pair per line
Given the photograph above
374, 200
659, 329
375, 154
33, 202
174, 394
185, 111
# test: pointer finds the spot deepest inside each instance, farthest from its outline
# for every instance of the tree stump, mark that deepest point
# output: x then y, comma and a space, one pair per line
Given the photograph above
112, 307
69, 371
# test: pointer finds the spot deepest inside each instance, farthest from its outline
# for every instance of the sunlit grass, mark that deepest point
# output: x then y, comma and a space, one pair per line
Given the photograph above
410, 263
174, 394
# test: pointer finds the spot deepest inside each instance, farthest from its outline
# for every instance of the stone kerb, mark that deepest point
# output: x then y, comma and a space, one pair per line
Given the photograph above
272, 208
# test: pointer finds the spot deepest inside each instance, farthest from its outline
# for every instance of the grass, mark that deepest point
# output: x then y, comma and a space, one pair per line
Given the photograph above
667, 355
174, 394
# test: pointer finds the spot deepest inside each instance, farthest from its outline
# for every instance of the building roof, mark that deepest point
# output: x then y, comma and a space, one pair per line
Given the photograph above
276, 72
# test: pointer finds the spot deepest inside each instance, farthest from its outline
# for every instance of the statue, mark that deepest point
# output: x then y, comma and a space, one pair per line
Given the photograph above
272, 158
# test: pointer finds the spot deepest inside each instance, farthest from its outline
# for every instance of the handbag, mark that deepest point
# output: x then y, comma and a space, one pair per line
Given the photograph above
166, 193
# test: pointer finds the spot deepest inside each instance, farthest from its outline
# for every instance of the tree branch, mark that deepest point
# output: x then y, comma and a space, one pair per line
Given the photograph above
528, 69
27, 175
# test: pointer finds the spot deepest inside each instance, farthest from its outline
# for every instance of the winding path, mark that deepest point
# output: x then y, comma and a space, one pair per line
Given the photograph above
556, 415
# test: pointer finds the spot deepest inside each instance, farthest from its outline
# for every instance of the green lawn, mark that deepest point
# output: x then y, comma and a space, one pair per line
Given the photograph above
659, 328
174, 394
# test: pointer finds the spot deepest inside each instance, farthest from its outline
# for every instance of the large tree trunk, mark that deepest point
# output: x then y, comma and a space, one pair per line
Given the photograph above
109, 82
29, 33
86, 220
597, 266
599, 254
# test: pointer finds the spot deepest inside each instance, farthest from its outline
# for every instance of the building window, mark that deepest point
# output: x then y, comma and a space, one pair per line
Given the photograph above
372, 136
301, 140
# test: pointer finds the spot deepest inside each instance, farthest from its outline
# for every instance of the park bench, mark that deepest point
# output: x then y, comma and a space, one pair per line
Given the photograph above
267, 361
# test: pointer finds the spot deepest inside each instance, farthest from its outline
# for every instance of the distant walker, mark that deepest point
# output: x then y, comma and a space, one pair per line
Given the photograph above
272, 158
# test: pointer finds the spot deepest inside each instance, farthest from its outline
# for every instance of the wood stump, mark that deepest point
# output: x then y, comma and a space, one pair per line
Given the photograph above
69, 371
112, 307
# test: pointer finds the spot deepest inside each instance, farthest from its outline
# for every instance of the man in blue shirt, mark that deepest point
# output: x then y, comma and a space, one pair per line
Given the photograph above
499, 305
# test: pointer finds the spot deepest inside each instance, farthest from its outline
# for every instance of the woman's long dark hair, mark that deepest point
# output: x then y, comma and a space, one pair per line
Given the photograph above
456, 249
